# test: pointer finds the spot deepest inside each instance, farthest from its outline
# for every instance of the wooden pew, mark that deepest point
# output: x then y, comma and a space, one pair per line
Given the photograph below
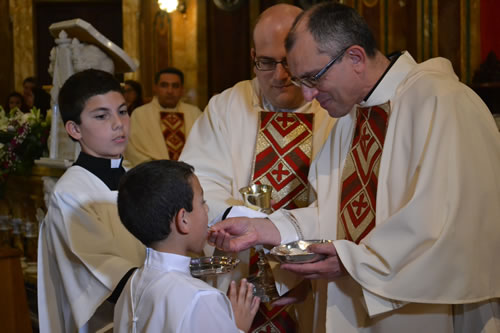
14, 311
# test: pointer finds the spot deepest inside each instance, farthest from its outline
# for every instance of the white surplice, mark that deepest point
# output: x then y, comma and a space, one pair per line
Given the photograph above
437, 211
162, 296
221, 147
146, 141
84, 251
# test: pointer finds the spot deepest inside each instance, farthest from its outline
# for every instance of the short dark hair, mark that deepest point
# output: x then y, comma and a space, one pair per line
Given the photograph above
150, 196
335, 27
14, 94
170, 70
138, 90
136, 86
82, 86
30, 79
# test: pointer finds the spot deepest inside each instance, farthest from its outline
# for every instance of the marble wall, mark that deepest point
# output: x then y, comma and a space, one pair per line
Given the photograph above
131, 19
180, 44
187, 51
21, 16
419, 26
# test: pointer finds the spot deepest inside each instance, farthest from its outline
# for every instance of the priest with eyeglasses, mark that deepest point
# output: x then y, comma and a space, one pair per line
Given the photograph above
261, 131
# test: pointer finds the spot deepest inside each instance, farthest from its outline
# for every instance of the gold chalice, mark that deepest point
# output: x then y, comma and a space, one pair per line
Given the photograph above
258, 197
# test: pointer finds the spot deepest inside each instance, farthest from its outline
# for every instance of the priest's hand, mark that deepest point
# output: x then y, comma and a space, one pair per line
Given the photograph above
329, 268
241, 233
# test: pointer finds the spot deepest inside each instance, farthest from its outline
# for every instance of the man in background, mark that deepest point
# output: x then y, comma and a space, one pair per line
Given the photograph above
35, 96
158, 130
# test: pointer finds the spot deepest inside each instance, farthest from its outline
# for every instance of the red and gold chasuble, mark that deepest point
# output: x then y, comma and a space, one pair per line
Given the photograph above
283, 156
282, 159
174, 132
360, 174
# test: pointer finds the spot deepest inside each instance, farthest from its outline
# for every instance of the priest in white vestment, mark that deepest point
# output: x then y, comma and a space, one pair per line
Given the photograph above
229, 141
159, 129
424, 262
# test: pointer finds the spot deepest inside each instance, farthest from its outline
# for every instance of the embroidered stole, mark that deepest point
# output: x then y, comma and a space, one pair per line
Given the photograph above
283, 155
360, 174
174, 132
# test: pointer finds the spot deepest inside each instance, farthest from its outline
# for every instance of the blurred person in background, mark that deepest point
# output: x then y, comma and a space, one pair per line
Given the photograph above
132, 91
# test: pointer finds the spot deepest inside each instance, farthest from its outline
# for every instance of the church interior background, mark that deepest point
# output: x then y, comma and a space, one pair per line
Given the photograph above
210, 41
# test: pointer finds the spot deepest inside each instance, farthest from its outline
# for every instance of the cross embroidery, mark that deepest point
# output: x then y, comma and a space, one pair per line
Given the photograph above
366, 135
361, 203
284, 119
359, 194
279, 172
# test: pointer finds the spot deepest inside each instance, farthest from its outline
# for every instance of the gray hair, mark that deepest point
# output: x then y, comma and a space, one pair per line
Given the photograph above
335, 27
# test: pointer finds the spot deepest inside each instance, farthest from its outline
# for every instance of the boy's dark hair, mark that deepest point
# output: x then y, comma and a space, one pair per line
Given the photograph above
170, 70
82, 86
151, 194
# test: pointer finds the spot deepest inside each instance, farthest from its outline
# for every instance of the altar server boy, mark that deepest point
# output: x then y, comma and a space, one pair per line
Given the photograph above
85, 254
161, 203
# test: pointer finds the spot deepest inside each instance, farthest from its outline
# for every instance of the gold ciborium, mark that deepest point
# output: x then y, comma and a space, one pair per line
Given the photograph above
258, 197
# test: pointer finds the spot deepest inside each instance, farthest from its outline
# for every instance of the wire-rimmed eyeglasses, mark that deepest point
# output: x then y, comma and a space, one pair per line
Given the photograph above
269, 64
312, 81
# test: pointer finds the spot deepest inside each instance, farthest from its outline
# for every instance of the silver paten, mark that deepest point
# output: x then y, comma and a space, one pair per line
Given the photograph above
208, 266
297, 253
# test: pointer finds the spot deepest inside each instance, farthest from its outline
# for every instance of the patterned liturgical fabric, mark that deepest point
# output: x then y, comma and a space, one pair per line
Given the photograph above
360, 174
174, 132
283, 155
282, 158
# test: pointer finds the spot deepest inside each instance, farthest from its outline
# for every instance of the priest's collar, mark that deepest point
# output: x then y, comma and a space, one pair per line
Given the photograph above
109, 171
392, 57
155, 102
386, 86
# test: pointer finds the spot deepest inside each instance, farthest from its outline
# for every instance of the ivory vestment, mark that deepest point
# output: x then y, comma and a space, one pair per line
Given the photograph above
222, 143
146, 141
221, 147
84, 251
437, 210
163, 297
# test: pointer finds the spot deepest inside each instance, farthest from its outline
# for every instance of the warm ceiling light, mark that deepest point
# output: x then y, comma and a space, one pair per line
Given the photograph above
168, 5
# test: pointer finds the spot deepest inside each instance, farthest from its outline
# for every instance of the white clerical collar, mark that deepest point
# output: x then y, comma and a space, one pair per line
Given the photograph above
116, 163
165, 261
387, 87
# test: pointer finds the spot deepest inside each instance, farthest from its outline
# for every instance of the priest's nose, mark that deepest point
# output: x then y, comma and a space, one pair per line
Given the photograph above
309, 93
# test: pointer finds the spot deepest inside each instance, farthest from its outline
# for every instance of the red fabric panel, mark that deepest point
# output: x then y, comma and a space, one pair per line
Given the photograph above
490, 28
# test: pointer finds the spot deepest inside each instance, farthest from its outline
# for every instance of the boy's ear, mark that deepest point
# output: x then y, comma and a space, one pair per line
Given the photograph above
181, 221
73, 130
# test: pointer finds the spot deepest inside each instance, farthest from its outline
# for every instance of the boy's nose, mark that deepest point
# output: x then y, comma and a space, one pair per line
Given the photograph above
117, 122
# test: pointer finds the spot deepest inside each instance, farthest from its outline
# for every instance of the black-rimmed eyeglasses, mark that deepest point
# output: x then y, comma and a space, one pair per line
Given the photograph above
312, 81
267, 64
